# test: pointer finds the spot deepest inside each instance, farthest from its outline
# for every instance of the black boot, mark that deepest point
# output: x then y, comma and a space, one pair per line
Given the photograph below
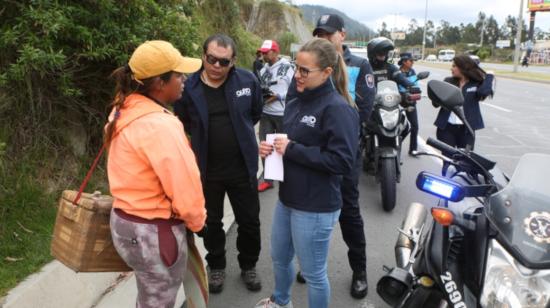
300, 278
359, 286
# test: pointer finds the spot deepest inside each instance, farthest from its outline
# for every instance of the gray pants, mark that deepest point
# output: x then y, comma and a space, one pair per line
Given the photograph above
269, 124
138, 245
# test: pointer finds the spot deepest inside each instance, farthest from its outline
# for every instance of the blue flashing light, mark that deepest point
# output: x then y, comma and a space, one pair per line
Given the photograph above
440, 186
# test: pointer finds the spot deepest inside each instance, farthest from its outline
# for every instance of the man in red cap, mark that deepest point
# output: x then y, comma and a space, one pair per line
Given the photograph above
275, 77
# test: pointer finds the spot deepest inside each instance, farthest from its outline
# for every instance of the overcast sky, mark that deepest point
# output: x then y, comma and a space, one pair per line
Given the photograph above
397, 13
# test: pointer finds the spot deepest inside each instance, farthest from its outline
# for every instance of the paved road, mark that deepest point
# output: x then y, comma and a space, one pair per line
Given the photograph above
509, 67
517, 120
545, 69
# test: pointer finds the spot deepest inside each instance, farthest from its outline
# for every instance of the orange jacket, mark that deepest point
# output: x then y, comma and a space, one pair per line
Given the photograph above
151, 167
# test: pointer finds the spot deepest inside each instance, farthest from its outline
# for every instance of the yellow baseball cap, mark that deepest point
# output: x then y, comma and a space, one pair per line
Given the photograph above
154, 58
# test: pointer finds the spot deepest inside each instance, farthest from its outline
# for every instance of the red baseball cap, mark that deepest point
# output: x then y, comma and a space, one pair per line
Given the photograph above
269, 45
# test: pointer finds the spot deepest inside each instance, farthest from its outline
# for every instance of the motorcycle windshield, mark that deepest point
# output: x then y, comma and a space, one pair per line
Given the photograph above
521, 212
387, 94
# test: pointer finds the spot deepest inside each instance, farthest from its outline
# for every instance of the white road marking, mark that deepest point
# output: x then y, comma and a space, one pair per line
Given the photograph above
497, 107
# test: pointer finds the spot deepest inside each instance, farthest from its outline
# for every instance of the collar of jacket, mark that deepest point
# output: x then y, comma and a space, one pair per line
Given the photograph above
347, 54
323, 89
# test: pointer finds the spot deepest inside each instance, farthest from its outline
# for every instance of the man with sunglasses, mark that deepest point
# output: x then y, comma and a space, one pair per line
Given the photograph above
219, 108
361, 88
275, 77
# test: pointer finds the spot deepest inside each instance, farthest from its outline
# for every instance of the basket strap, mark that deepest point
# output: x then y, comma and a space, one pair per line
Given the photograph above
88, 175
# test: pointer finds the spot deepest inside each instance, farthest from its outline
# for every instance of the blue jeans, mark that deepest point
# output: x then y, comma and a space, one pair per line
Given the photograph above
307, 234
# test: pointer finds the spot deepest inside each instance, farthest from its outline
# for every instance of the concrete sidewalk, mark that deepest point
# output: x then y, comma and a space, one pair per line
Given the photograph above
56, 286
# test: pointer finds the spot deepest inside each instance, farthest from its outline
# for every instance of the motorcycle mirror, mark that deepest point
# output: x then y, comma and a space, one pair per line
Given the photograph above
440, 187
445, 94
422, 75
449, 97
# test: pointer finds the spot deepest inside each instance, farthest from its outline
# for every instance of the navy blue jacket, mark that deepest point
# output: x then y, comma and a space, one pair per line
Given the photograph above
323, 130
473, 92
361, 83
388, 71
244, 100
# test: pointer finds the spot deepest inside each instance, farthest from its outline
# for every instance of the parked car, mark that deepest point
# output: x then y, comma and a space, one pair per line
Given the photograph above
475, 58
431, 58
446, 55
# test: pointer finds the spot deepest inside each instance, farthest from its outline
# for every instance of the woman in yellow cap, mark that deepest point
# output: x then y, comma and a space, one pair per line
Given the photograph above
152, 171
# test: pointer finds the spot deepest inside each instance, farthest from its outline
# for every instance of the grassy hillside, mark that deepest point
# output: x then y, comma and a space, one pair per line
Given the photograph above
55, 95
354, 29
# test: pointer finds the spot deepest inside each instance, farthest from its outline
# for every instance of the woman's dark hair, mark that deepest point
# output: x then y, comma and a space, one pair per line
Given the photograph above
126, 85
223, 41
469, 68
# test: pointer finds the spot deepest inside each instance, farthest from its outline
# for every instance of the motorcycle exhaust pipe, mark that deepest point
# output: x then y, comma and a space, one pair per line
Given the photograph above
415, 217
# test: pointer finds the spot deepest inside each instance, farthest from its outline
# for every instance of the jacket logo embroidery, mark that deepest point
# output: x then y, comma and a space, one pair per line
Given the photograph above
243, 91
309, 120
471, 89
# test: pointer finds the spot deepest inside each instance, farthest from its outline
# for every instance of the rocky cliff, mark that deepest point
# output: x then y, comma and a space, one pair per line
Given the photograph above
271, 19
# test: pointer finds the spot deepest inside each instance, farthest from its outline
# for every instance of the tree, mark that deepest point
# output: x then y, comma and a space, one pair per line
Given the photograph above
512, 24
447, 34
383, 31
470, 35
430, 33
492, 31
480, 25
414, 34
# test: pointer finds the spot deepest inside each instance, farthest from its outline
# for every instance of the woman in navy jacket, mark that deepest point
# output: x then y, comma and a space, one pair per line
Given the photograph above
476, 85
322, 127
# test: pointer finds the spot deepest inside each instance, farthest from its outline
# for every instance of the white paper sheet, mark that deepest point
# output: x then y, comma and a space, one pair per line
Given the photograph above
274, 162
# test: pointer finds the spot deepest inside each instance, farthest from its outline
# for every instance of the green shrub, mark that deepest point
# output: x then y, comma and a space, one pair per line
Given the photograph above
57, 56
483, 53
285, 40
54, 96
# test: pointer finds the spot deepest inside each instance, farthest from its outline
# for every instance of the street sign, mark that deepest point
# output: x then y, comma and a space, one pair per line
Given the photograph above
503, 43
538, 5
397, 36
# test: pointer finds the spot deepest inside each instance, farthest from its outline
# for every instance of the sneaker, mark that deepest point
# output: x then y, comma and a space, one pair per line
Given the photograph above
251, 279
359, 286
269, 303
264, 186
300, 278
216, 278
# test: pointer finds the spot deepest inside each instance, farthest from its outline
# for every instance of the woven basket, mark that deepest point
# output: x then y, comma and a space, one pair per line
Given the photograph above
82, 237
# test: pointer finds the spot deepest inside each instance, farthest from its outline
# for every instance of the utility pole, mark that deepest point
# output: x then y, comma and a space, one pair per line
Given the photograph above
482, 30
518, 36
424, 35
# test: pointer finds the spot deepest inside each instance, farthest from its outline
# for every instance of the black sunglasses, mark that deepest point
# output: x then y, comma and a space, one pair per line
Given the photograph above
212, 60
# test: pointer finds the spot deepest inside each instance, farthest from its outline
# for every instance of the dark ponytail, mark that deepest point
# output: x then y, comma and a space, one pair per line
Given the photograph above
126, 85
341, 79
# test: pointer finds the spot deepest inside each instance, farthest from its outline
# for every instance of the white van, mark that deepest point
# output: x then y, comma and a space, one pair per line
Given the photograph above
446, 55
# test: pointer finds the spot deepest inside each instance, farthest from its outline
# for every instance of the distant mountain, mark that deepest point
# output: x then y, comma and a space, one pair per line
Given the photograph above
354, 29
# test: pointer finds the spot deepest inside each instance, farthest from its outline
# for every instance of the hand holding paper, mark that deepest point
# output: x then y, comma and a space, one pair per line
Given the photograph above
274, 169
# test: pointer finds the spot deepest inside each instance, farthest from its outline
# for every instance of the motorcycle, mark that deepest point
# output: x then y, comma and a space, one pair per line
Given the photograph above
384, 134
488, 244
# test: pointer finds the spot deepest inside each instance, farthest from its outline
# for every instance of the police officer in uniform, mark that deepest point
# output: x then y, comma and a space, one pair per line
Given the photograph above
378, 49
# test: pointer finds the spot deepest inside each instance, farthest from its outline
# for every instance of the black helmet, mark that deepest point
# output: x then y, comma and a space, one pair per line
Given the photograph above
379, 45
